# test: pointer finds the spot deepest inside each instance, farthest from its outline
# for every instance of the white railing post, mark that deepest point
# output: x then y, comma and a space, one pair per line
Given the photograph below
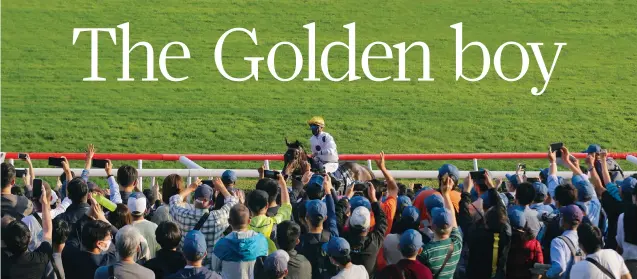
475, 164
152, 182
140, 179
369, 164
266, 164
632, 159
11, 162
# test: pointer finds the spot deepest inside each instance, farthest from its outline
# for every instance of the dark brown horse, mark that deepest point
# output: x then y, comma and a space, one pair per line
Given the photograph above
296, 161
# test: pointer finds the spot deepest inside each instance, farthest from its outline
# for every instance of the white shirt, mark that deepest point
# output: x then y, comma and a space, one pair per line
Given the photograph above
35, 229
353, 272
630, 250
324, 148
605, 257
390, 249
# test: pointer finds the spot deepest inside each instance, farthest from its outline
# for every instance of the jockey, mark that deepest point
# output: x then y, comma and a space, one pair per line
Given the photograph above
324, 154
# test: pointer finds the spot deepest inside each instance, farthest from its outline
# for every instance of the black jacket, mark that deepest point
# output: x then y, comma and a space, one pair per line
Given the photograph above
481, 240
166, 262
298, 266
365, 248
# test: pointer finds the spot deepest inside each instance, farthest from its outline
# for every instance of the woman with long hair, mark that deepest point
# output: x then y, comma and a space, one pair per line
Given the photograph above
525, 250
120, 217
173, 184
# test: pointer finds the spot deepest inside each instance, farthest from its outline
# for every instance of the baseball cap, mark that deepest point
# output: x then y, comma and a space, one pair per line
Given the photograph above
585, 190
277, 263
540, 190
357, 201
194, 245
361, 218
228, 177
571, 213
336, 247
449, 169
410, 215
315, 185
513, 179
204, 191
628, 185
315, 209
137, 204
433, 201
410, 241
593, 148
517, 218
544, 173
440, 217
403, 201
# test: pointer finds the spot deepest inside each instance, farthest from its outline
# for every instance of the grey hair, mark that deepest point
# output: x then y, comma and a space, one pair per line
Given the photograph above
127, 241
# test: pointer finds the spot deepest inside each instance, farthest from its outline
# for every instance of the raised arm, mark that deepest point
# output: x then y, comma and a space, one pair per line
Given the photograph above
552, 181
392, 187
381, 220
285, 195
592, 173
329, 203
90, 152
113, 187
574, 168
47, 221
605, 174
31, 173
445, 190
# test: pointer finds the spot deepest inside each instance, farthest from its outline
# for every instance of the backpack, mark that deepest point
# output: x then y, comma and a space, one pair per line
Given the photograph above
614, 169
313, 251
576, 255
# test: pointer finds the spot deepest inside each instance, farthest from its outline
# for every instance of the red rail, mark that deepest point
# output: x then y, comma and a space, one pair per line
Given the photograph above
279, 157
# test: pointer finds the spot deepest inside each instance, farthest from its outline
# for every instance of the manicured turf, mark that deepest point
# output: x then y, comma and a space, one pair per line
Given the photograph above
47, 107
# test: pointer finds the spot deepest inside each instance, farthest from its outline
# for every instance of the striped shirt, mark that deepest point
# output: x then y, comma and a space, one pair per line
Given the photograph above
435, 252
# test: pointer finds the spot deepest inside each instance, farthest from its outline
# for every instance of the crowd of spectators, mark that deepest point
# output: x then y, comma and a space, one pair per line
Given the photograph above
527, 226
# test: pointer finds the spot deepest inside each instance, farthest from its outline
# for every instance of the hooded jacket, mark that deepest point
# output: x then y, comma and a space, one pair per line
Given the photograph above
234, 255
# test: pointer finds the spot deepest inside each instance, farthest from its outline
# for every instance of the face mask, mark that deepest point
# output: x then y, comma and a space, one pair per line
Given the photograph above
315, 129
108, 245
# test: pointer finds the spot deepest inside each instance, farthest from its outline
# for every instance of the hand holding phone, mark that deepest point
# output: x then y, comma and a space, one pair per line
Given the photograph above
56, 162
99, 163
271, 174
22, 156
208, 182
557, 148
37, 188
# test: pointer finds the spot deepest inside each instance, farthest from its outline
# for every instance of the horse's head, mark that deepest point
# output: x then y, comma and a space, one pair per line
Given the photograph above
293, 158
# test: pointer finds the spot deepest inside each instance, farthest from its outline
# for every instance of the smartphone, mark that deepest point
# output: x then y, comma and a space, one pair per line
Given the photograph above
37, 188
20, 172
532, 179
271, 174
56, 162
22, 155
557, 148
207, 182
99, 163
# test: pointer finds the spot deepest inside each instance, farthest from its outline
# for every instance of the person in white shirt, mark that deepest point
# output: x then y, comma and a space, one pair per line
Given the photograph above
564, 250
35, 225
338, 249
599, 263
324, 152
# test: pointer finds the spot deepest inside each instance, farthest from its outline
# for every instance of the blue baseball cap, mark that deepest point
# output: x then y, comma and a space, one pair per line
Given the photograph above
357, 201
585, 190
315, 209
410, 241
541, 191
593, 148
628, 185
204, 191
336, 247
513, 179
576, 179
410, 215
315, 185
441, 217
433, 201
517, 218
228, 177
403, 201
194, 245
544, 173
449, 169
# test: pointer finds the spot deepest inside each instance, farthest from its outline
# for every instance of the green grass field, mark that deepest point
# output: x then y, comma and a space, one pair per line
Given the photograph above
47, 107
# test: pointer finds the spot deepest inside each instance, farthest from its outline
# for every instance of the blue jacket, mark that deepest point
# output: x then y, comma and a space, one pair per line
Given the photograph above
234, 255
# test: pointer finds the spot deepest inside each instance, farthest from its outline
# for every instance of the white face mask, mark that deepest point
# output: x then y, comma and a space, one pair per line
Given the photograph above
108, 245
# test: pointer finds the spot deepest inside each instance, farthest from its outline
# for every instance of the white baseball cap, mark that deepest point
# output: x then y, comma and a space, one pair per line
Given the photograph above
360, 218
137, 204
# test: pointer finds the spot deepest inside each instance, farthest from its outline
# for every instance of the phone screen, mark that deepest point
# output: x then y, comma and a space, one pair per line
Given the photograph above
57, 162
98, 163
207, 182
20, 172
22, 155
37, 188
557, 148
